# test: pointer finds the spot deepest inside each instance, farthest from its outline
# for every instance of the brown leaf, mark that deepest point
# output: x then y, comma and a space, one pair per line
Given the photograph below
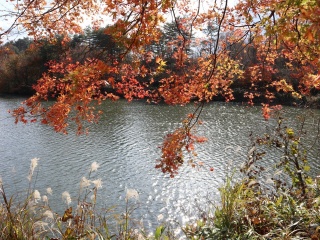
67, 215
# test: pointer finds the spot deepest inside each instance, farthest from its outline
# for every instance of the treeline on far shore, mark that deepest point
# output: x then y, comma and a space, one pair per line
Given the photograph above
23, 61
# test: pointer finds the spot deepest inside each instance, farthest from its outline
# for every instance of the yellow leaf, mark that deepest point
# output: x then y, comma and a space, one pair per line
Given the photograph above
290, 132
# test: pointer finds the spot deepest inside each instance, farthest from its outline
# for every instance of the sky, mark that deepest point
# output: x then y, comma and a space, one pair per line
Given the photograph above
7, 8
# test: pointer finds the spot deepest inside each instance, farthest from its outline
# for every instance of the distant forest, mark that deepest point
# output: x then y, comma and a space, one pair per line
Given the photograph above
23, 61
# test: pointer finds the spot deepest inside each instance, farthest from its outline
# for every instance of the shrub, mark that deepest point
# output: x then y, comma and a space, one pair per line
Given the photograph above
285, 206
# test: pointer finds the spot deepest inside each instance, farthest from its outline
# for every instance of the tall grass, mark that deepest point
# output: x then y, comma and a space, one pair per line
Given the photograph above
29, 215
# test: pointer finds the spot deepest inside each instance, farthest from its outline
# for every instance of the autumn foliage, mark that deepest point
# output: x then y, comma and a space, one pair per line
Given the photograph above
211, 50
176, 144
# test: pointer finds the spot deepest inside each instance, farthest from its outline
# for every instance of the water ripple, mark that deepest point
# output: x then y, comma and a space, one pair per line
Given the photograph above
125, 144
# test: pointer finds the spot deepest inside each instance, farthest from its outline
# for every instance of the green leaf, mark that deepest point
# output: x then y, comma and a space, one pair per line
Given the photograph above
200, 223
309, 180
306, 168
278, 202
159, 232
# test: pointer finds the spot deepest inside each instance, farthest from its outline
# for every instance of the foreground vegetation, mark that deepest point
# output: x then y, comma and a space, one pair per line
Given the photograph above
281, 201
278, 201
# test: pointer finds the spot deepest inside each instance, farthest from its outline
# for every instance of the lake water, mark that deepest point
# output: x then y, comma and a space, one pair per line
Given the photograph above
126, 143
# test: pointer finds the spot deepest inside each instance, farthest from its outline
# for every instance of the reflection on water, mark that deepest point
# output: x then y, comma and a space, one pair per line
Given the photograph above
125, 144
